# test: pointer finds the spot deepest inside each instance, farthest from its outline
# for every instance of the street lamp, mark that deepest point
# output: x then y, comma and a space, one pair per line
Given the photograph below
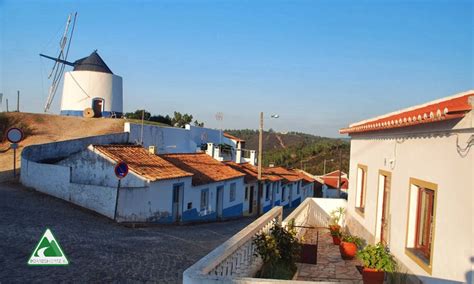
324, 171
260, 150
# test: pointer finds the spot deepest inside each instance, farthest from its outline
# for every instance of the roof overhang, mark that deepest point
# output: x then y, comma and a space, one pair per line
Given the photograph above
444, 109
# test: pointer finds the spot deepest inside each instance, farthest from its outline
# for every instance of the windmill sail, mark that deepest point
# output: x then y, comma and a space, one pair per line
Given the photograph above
61, 60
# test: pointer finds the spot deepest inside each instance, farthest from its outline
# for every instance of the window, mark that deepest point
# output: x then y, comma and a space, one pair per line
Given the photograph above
361, 185
190, 205
246, 193
298, 188
267, 192
204, 199
275, 188
421, 222
283, 197
232, 192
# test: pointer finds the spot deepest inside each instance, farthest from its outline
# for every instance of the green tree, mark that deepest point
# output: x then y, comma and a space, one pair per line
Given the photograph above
138, 114
197, 123
180, 120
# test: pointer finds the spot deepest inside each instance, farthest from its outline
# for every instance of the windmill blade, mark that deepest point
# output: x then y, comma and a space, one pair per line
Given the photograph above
60, 61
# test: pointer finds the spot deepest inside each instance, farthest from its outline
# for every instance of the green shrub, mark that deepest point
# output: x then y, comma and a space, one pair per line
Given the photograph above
348, 238
279, 250
377, 257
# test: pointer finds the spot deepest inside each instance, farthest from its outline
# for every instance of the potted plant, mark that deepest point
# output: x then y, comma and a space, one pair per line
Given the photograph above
377, 260
334, 227
279, 250
348, 246
336, 236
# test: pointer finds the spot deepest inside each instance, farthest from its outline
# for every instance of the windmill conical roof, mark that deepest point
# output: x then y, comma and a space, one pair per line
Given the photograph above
92, 62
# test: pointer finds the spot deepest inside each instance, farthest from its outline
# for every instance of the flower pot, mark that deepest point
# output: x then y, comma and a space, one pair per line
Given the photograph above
372, 276
336, 240
348, 250
334, 228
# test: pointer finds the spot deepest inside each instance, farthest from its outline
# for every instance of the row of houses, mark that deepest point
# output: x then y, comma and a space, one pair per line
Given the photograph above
168, 187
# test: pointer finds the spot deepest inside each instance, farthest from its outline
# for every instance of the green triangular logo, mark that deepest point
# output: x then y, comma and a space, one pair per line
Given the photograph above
48, 252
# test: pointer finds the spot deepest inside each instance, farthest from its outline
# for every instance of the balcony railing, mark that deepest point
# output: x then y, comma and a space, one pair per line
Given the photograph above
235, 258
235, 262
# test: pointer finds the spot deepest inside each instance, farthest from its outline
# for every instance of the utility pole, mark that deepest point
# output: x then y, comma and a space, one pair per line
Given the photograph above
340, 172
18, 101
7, 104
260, 150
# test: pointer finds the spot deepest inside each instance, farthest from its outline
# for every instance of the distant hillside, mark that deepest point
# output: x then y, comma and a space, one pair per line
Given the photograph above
298, 150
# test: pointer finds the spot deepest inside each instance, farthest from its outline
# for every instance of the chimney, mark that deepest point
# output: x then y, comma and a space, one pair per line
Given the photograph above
238, 156
253, 158
210, 149
152, 150
217, 153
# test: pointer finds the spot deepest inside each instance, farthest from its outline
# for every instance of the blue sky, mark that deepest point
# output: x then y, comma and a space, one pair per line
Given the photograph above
320, 65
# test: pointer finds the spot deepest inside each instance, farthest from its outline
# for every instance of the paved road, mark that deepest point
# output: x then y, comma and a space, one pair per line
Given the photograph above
98, 249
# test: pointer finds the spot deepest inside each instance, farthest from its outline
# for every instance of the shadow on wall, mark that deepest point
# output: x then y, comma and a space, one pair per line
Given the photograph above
7, 175
404, 277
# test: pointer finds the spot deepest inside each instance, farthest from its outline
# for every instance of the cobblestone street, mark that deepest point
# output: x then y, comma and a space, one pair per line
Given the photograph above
98, 249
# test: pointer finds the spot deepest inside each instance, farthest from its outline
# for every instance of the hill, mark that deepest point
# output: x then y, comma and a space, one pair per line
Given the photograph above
44, 128
298, 150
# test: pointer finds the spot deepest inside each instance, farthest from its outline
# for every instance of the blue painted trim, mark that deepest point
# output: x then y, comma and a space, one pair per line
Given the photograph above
161, 220
277, 203
267, 208
193, 215
80, 112
296, 202
233, 211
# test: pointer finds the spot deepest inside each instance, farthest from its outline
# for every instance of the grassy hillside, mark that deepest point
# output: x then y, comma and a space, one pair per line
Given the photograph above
298, 150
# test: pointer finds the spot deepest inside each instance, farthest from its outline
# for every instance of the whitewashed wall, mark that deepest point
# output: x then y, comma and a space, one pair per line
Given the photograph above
432, 158
171, 139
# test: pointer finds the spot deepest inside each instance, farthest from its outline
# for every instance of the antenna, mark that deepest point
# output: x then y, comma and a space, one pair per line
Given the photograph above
60, 61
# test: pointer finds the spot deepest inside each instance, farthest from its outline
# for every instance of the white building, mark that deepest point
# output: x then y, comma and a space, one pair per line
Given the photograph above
92, 87
412, 186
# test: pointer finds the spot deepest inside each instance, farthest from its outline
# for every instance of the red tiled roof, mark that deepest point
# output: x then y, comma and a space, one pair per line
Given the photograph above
141, 162
332, 181
288, 175
233, 137
444, 109
306, 178
205, 168
334, 174
251, 172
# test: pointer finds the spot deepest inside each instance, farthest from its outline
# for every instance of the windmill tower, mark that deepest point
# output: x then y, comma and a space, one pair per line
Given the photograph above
90, 89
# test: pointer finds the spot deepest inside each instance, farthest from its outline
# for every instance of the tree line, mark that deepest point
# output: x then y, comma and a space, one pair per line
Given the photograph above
178, 119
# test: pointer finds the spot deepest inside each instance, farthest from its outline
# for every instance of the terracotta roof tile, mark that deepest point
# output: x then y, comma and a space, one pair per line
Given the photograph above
141, 162
288, 175
227, 135
251, 172
443, 109
205, 168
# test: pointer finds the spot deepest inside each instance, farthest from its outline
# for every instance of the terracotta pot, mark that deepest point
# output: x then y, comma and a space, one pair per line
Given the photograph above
336, 240
348, 250
372, 276
335, 228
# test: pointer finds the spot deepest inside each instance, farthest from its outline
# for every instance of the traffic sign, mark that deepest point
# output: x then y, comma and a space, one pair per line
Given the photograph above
121, 170
14, 135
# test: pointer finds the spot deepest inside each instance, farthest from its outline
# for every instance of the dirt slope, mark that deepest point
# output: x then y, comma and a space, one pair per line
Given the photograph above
50, 128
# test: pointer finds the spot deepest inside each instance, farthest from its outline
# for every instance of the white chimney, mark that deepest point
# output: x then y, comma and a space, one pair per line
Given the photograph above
152, 150
210, 149
238, 156
253, 158
217, 153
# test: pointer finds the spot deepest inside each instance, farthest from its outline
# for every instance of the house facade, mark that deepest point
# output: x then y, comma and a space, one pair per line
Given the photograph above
411, 186
161, 188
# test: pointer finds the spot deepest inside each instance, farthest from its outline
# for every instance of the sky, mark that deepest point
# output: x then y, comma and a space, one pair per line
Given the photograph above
319, 65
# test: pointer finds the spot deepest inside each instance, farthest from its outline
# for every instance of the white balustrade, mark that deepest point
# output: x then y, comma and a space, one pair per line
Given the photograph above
235, 261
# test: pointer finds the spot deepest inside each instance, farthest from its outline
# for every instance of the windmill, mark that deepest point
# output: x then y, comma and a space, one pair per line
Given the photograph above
90, 89
60, 61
